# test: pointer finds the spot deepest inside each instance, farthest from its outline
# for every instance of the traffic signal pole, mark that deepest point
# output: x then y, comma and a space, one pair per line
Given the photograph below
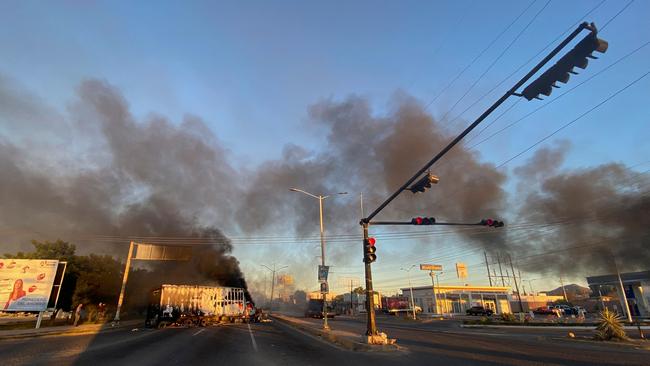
371, 325
365, 222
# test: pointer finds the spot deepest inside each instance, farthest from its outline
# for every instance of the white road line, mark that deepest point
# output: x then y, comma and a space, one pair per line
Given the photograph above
252, 337
202, 330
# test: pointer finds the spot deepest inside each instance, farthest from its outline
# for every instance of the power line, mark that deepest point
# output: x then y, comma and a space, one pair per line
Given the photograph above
575, 119
606, 68
617, 14
503, 52
479, 55
570, 28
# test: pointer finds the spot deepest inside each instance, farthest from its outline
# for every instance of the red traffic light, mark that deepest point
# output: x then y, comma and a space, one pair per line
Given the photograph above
491, 222
371, 241
423, 221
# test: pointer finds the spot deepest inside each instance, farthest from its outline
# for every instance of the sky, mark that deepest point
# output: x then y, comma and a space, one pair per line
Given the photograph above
251, 70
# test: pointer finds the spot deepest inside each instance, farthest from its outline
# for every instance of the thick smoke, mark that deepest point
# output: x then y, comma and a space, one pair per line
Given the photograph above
100, 175
95, 171
598, 215
373, 155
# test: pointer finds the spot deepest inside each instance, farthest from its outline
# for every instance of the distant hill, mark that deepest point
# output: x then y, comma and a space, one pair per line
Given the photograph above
573, 291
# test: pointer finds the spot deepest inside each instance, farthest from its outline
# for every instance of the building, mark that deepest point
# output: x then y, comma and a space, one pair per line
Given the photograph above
531, 302
457, 299
316, 295
635, 284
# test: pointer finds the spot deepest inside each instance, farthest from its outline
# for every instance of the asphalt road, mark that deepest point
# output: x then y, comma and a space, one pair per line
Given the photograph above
277, 344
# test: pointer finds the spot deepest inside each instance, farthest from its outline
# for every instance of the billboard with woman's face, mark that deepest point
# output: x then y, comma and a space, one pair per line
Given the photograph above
26, 284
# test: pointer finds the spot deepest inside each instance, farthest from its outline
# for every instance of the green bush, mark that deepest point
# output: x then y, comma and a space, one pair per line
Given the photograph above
508, 317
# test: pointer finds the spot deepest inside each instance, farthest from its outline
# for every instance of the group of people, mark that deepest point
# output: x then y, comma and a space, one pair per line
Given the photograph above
80, 313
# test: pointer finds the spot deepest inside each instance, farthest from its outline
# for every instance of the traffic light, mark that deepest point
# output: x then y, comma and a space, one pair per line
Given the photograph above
492, 223
369, 250
560, 72
423, 221
424, 183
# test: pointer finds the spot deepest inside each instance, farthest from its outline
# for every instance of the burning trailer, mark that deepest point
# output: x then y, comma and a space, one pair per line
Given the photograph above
190, 305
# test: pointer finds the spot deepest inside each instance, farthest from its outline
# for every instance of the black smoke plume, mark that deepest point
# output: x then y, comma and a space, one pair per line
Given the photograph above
599, 215
99, 177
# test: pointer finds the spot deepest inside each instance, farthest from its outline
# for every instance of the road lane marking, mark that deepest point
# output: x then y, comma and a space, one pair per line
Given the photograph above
250, 331
198, 332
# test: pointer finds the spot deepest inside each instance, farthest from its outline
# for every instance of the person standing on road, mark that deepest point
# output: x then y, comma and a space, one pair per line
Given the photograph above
77, 314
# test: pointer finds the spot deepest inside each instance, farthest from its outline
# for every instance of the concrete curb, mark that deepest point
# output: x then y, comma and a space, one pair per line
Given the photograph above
545, 327
337, 340
99, 328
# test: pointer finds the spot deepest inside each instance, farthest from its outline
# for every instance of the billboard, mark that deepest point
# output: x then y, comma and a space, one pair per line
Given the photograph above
26, 284
151, 252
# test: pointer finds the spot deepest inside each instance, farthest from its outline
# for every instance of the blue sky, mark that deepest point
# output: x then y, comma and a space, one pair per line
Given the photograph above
251, 69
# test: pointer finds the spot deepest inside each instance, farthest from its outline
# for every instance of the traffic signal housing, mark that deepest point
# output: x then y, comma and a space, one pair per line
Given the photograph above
424, 183
560, 72
491, 223
423, 221
369, 250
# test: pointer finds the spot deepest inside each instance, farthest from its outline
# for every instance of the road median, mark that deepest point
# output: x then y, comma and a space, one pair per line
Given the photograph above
345, 339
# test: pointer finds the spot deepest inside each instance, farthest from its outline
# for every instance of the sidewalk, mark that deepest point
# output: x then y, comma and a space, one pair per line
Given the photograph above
66, 330
350, 338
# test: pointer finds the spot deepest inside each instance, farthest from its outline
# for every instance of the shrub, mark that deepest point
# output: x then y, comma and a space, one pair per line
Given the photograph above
508, 317
609, 326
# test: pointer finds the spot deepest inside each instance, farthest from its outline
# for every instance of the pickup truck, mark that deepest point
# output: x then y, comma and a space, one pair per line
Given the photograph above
479, 310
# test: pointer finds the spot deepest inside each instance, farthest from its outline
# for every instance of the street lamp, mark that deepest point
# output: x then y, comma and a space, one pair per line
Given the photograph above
320, 199
411, 287
272, 282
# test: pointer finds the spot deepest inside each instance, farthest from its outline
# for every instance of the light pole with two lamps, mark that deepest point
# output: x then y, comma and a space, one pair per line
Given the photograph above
320, 199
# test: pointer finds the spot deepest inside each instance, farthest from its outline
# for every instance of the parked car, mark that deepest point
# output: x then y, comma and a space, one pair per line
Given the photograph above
479, 310
545, 310
564, 309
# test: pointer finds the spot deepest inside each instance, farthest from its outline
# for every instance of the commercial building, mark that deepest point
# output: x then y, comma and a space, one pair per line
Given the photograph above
636, 286
457, 299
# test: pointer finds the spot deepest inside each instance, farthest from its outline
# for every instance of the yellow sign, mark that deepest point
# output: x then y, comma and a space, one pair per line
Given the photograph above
461, 270
431, 267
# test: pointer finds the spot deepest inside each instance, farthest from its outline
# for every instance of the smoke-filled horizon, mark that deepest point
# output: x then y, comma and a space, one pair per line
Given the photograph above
93, 169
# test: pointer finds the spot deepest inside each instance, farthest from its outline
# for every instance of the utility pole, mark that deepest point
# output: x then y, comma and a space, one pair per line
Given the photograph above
521, 281
488, 268
521, 306
273, 270
411, 288
563, 289
503, 282
435, 296
351, 306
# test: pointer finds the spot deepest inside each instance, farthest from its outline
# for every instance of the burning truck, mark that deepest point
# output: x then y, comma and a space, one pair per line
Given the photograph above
197, 305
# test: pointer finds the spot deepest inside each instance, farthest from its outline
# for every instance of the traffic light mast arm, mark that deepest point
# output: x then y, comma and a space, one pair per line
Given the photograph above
374, 223
494, 106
